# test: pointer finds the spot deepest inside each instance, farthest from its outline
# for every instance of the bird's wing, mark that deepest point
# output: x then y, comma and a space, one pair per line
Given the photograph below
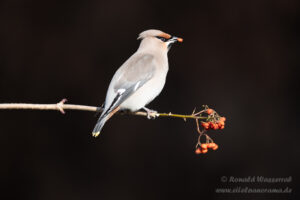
130, 77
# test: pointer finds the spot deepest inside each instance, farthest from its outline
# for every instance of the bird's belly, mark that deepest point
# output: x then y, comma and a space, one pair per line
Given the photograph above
145, 94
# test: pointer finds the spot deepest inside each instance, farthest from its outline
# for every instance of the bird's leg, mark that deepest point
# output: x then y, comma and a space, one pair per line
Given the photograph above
150, 113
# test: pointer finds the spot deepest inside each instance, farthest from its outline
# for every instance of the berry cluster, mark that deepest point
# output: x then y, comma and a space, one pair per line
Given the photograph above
214, 125
215, 122
204, 148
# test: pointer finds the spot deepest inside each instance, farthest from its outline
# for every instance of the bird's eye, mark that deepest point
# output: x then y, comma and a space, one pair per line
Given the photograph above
161, 38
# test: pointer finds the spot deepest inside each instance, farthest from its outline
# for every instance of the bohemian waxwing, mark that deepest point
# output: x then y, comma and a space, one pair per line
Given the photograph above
140, 79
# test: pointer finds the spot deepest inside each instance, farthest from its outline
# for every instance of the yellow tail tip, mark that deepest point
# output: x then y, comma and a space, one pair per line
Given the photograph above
96, 134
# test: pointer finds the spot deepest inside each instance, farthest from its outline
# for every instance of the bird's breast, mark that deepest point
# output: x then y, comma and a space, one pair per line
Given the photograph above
148, 91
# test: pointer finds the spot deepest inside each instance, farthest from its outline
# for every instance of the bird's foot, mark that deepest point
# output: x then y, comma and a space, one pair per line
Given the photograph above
150, 113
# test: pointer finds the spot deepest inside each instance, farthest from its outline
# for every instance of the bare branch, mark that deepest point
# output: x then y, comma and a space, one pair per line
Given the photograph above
209, 118
61, 106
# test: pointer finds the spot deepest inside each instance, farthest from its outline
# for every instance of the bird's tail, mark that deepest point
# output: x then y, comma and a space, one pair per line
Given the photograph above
99, 125
102, 120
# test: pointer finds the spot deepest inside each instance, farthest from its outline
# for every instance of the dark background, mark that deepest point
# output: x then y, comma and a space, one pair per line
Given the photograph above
239, 57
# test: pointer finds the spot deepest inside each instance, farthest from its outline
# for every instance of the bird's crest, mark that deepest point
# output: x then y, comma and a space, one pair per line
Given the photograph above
153, 33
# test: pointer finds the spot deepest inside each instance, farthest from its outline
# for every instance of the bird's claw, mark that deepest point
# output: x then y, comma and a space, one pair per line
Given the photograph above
151, 114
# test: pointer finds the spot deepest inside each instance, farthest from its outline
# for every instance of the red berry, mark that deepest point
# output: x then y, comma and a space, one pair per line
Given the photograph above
215, 126
211, 145
215, 147
198, 151
222, 119
205, 125
203, 146
204, 150
211, 125
221, 123
209, 111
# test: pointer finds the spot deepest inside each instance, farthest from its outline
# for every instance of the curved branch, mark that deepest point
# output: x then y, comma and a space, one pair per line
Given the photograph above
61, 106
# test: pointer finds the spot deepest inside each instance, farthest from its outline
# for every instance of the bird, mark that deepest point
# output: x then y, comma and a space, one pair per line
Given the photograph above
140, 79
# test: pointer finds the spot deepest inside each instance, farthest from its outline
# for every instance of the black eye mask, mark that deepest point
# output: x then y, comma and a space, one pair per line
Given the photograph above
161, 38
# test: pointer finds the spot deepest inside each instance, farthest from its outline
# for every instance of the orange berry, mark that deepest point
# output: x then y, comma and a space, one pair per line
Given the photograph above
204, 150
205, 125
209, 111
221, 123
211, 145
215, 147
204, 146
198, 151
215, 126
211, 125
222, 119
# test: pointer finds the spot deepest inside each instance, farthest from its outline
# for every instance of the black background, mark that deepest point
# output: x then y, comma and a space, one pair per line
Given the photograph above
239, 57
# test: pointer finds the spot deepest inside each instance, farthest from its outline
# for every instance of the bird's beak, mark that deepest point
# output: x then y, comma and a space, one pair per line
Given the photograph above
179, 39
175, 39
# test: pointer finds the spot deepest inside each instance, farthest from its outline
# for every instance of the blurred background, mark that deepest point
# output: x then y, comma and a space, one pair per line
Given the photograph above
239, 57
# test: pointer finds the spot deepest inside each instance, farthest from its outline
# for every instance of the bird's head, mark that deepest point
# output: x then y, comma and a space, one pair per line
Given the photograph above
159, 38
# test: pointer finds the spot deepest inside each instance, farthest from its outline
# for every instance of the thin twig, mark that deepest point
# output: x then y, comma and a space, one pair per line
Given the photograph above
61, 106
